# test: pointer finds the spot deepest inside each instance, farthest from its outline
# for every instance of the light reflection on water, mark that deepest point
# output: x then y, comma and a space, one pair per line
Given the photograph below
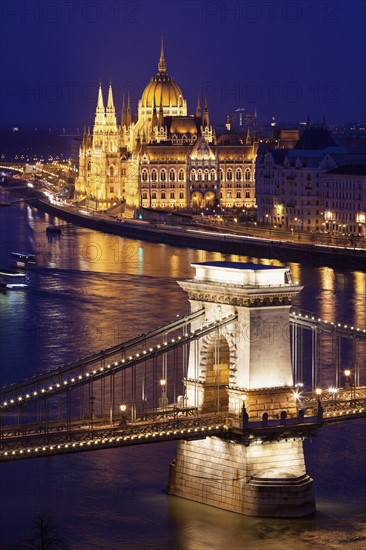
90, 291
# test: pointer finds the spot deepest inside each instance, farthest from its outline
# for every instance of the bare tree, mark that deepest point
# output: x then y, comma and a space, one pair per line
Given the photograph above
44, 536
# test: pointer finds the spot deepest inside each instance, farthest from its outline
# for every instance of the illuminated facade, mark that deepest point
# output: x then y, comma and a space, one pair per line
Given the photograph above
241, 367
165, 158
344, 191
294, 191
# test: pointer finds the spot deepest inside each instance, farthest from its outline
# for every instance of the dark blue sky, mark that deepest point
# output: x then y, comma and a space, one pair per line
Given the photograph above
287, 59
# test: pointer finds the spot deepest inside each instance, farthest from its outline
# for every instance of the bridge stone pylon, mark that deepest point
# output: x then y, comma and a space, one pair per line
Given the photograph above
250, 355
243, 368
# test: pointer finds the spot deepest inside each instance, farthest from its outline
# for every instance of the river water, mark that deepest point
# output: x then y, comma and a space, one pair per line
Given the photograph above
90, 291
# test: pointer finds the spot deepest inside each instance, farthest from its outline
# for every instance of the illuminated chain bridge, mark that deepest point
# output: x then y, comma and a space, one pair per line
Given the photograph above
243, 371
120, 396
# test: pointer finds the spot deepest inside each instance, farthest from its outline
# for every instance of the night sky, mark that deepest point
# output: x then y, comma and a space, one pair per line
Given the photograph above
287, 59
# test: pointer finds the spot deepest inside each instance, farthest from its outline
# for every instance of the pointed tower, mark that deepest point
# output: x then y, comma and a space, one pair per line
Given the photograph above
100, 112
248, 140
162, 62
111, 120
89, 139
206, 118
83, 143
124, 114
161, 113
154, 120
129, 116
198, 108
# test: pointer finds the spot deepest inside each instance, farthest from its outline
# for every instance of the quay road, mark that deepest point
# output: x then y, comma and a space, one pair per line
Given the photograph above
271, 243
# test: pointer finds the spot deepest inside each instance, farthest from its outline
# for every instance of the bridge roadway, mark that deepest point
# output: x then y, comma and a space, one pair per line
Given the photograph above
173, 424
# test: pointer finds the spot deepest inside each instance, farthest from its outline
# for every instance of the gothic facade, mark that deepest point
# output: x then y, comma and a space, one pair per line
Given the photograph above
164, 158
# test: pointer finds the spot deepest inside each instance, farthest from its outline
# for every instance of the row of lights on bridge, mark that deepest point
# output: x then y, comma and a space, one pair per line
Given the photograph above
337, 325
105, 441
80, 377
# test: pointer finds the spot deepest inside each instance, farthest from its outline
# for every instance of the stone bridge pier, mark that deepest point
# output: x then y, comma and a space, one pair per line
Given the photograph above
244, 366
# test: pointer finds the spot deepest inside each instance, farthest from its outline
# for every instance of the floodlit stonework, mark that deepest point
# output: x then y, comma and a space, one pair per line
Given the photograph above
247, 361
163, 158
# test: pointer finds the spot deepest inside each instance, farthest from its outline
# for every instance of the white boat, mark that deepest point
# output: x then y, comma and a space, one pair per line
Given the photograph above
22, 259
11, 285
11, 274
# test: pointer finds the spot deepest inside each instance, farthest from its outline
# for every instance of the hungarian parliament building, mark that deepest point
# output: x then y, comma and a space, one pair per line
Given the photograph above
164, 158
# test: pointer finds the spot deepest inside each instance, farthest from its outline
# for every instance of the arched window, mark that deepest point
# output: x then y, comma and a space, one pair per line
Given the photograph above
247, 174
206, 177
172, 195
181, 195
172, 175
193, 175
238, 195
111, 171
163, 175
144, 195
213, 175
153, 195
181, 175
199, 175
163, 195
221, 174
144, 175
238, 175
229, 174
247, 195
153, 175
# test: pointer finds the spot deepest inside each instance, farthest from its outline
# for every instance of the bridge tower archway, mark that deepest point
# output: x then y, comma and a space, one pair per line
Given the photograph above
216, 372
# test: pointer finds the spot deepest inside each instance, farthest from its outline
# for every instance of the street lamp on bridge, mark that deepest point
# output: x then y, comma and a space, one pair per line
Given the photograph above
347, 384
123, 409
163, 400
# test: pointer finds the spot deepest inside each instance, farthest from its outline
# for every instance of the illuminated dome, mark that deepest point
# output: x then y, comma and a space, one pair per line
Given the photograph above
162, 90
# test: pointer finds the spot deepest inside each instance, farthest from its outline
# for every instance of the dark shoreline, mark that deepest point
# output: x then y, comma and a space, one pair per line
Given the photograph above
168, 234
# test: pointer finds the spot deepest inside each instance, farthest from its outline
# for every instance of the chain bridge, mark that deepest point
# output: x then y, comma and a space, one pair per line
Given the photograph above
240, 377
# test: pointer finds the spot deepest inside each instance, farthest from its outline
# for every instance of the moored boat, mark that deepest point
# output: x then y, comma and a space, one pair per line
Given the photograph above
11, 274
22, 259
12, 285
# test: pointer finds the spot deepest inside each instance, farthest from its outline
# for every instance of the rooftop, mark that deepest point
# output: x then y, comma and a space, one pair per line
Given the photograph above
238, 265
315, 139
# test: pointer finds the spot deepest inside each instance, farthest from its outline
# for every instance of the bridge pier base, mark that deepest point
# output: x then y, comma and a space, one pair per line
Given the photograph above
262, 479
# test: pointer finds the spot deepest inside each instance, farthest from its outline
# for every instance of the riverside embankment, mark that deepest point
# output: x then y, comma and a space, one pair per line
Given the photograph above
203, 237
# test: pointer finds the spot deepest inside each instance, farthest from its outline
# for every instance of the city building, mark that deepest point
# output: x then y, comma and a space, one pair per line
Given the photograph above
344, 195
293, 192
164, 158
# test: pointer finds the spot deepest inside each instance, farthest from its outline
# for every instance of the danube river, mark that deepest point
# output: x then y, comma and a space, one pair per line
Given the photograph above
91, 290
